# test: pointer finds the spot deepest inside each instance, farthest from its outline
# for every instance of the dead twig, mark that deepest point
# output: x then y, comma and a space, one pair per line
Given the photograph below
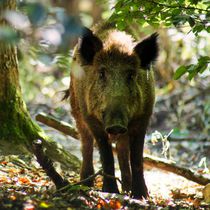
89, 178
47, 165
100, 172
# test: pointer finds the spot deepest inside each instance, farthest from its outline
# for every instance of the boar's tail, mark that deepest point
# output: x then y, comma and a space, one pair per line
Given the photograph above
65, 94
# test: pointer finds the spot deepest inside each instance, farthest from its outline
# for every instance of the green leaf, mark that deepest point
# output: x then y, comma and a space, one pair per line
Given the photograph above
191, 21
194, 1
193, 71
204, 59
198, 28
176, 11
121, 25
203, 68
179, 19
118, 5
179, 72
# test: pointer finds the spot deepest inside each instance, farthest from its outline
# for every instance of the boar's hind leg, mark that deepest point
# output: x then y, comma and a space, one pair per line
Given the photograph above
87, 155
107, 160
123, 152
139, 188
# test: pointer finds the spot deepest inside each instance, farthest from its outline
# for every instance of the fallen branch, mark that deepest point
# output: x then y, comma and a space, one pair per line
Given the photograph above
148, 160
58, 125
47, 165
171, 166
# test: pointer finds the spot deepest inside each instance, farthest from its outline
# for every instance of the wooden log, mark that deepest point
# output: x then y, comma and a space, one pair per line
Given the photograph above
58, 125
171, 166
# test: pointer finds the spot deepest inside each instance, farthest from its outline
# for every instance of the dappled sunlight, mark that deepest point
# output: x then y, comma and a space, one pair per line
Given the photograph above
111, 96
164, 185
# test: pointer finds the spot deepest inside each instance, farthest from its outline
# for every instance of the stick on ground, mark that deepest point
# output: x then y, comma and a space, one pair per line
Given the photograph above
47, 165
170, 166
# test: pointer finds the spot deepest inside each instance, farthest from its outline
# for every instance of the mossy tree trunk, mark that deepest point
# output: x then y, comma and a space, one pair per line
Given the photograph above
17, 129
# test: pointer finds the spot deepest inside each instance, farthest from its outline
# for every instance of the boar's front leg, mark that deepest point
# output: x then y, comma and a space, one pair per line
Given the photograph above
139, 189
87, 155
107, 160
123, 154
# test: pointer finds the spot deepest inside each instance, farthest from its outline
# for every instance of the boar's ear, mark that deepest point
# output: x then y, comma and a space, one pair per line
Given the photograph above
147, 50
89, 45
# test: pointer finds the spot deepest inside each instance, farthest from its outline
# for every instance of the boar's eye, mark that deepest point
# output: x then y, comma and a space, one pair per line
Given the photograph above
102, 73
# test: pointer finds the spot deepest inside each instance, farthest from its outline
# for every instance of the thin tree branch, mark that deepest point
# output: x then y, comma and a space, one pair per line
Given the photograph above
47, 165
100, 172
58, 125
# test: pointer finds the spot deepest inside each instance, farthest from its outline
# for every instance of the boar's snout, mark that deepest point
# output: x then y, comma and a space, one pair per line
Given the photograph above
115, 121
116, 129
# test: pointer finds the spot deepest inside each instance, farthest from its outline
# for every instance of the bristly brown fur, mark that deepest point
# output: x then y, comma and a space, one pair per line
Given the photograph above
112, 97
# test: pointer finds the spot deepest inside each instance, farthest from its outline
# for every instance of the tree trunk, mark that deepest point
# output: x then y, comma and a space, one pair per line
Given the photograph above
17, 129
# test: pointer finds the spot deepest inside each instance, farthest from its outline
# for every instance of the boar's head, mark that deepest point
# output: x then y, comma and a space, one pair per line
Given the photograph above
117, 88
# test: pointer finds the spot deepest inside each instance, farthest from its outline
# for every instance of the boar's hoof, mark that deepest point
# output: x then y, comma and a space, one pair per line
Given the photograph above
110, 185
140, 194
116, 129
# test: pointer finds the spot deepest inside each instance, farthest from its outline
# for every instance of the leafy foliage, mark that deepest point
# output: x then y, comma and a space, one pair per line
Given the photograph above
163, 12
193, 69
50, 30
181, 13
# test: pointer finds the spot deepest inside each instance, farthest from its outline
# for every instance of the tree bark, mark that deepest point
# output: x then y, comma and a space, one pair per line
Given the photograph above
17, 129
61, 126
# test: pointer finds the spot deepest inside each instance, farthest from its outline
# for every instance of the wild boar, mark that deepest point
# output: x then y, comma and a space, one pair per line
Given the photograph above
112, 97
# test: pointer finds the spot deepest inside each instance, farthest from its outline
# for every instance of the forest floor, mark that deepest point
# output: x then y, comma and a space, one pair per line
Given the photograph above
25, 185
186, 112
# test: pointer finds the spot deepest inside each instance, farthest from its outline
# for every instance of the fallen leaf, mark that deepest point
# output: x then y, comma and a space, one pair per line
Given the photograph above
23, 180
